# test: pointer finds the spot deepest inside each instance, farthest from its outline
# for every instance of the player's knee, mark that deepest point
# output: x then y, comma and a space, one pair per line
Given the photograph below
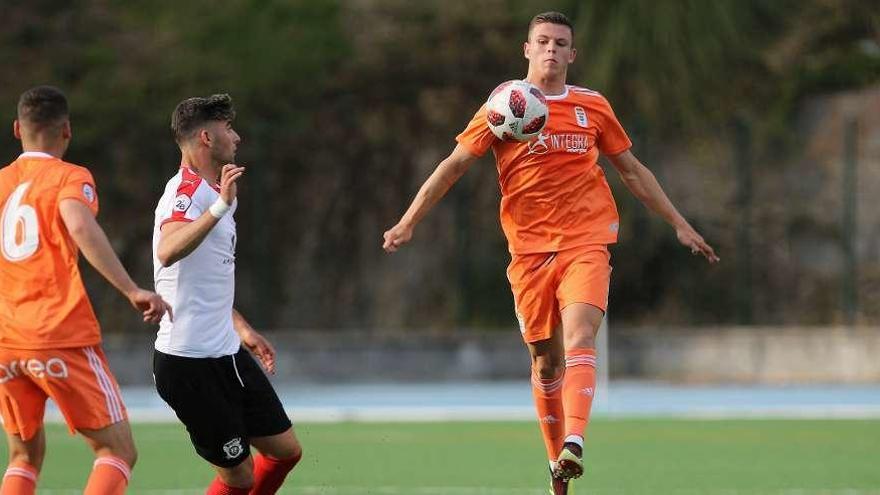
284, 447
125, 452
580, 338
548, 368
34, 459
292, 451
131, 457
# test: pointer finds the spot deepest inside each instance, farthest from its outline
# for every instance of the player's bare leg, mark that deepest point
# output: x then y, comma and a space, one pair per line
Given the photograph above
580, 324
115, 456
25, 462
238, 478
278, 454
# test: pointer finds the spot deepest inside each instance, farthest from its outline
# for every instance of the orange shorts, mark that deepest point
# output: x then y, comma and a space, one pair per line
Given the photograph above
77, 379
544, 283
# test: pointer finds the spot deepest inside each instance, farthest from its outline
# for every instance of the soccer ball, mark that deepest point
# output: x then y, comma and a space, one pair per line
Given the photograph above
516, 110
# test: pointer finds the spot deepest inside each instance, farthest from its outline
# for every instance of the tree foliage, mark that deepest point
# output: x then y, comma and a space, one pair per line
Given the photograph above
345, 108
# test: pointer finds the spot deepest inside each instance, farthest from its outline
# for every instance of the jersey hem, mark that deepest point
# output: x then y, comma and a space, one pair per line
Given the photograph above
50, 346
564, 247
184, 354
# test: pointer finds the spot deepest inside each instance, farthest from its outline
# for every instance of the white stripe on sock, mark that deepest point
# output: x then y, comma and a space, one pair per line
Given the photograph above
115, 462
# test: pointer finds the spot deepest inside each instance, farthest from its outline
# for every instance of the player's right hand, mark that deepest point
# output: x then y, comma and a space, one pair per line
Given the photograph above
229, 174
151, 304
396, 236
695, 242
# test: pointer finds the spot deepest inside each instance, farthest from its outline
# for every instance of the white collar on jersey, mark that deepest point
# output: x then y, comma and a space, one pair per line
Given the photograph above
35, 154
561, 96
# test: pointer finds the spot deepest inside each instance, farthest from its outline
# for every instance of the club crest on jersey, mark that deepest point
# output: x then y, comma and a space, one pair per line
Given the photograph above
233, 448
580, 116
538, 146
182, 202
89, 193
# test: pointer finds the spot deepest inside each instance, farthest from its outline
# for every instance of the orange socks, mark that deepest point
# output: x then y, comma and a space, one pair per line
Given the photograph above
548, 402
20, 479
109, 477
577, 391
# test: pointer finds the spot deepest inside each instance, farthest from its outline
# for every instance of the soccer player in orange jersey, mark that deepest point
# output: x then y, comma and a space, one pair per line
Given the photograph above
559, 217
49, 336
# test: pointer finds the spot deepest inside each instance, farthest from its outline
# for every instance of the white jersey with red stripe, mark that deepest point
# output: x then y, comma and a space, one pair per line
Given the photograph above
201, 286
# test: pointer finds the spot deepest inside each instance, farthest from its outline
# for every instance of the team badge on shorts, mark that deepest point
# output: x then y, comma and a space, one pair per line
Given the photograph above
233, 448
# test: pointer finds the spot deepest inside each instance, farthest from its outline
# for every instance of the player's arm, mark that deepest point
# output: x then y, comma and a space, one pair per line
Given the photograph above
179, 239
435, 187
254, 342
644, 186
94, 245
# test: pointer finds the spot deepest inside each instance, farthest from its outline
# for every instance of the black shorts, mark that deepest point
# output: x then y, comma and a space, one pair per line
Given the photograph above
223, 402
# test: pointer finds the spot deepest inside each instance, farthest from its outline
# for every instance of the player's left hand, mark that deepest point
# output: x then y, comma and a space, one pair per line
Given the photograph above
396, 236
695, 242
151, 305
261, 348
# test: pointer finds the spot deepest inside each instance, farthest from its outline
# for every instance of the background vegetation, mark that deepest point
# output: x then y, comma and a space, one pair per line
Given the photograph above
346, 106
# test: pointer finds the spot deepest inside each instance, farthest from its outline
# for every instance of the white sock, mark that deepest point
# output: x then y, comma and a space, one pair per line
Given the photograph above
575, 439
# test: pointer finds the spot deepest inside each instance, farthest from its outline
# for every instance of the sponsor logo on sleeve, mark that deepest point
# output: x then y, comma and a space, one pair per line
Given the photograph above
182, 202
89, 193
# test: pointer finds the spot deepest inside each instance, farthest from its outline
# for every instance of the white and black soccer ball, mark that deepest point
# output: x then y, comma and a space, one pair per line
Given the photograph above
517, 110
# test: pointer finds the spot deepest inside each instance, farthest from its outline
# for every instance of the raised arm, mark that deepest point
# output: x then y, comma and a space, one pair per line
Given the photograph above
179, 239
94, 245
435, 187
644, 186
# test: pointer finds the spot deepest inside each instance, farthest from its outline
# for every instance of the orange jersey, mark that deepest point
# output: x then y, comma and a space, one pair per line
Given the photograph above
554, 195
43, 303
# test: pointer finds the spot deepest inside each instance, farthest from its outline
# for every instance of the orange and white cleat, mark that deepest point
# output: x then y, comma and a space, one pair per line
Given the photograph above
569, 464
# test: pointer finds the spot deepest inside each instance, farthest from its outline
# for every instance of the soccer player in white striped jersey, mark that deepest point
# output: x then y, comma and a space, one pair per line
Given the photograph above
202, 366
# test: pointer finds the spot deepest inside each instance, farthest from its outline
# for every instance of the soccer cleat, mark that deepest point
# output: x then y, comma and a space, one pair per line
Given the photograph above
559, 486
569, 465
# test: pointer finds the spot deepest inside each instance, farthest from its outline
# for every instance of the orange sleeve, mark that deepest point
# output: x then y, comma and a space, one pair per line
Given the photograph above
477, 137
80, 185
613, 139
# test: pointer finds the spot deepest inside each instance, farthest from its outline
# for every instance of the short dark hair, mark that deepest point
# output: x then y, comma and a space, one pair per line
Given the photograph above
552, 18
192, 113
43, 106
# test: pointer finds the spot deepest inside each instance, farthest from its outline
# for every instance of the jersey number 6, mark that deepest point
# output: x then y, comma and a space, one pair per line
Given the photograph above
20, 234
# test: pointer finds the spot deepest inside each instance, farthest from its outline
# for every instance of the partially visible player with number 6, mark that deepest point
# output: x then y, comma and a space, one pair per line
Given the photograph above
559, 217
46, 320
